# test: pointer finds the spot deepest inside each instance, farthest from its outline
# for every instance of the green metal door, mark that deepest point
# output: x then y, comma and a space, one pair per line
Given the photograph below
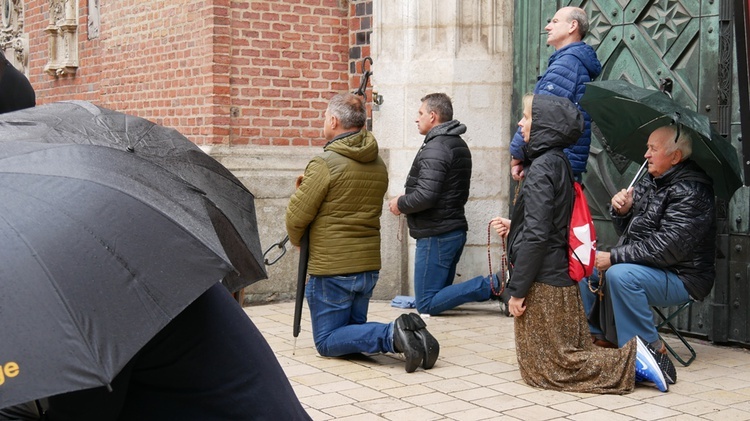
639, 41
643, 41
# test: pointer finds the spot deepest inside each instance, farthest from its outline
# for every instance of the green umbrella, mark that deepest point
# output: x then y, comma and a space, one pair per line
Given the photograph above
626, 114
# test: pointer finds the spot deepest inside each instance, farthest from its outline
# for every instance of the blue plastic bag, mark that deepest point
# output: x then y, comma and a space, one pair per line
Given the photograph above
403, 301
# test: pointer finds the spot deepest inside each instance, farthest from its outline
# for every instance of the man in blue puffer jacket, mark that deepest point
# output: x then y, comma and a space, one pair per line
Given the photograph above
570, 67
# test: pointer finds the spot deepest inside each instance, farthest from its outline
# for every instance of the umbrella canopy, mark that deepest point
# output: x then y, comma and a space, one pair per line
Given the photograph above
99, 251
80, 122
626, 114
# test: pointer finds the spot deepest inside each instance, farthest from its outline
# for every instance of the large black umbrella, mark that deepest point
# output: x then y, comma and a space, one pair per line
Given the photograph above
80, 122
626, 114
99, 250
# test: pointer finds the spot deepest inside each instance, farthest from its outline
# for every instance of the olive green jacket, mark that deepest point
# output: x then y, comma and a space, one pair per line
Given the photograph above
341, 199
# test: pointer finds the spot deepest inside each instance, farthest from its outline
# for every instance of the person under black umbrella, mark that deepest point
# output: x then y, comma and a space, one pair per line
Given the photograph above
111, 297
209, 363
16, 92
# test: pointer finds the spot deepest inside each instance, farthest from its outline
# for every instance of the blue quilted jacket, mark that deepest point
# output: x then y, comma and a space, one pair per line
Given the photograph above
568, 71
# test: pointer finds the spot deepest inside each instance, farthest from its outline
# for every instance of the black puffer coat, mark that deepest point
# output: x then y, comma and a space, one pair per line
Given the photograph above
437, 187
538, 238
674, 227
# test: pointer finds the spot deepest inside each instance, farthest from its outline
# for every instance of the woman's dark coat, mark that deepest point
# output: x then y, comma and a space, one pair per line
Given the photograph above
538, 239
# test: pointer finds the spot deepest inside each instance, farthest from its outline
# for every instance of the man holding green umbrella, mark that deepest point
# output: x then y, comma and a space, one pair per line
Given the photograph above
627, 114
666, 252
667, 221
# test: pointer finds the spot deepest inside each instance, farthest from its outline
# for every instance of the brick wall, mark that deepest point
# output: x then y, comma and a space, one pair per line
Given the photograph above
219, 71
288, 59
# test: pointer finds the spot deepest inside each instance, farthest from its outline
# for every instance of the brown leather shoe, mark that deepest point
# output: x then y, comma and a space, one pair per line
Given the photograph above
602, 342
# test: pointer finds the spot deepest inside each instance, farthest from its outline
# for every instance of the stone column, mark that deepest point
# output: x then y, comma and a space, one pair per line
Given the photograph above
464, 49
62, 35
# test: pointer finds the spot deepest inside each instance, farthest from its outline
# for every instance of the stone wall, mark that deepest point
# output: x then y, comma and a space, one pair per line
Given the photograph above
464, 49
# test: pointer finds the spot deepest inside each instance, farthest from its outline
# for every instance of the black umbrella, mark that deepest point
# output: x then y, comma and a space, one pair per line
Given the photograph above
99, 250
80, 122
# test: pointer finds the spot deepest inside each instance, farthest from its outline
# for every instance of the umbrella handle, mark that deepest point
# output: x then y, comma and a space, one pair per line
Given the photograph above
637, 175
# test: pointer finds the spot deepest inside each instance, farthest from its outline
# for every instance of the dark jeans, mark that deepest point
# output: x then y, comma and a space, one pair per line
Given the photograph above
434, 270
633, 290
338, 309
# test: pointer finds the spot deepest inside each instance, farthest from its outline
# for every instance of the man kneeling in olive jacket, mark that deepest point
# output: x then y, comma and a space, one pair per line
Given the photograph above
340, 200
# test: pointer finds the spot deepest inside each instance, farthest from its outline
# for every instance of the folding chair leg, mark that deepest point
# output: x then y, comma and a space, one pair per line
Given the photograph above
676, 355
667, 321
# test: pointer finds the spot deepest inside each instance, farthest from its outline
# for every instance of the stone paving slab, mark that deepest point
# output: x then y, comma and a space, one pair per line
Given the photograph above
476, 377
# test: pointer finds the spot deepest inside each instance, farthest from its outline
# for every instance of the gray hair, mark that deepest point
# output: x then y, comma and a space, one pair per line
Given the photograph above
679, 140
349, 109
441, 104
579, 15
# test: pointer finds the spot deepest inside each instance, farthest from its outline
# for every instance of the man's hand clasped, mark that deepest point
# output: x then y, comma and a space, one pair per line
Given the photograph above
393, 205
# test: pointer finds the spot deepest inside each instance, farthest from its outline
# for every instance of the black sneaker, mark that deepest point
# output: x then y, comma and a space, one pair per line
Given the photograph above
670, 372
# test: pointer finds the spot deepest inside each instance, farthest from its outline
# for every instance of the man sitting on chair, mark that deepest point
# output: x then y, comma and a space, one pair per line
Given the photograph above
666, 251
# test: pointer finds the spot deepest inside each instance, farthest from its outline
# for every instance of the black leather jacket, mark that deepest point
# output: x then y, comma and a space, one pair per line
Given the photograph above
437, 187
674, 227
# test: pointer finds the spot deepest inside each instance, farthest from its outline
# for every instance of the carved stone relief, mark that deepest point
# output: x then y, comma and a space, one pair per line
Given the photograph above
62, 35
94, 20
13, 41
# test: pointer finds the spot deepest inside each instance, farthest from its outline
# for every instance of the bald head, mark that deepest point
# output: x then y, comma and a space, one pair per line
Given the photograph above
569, 25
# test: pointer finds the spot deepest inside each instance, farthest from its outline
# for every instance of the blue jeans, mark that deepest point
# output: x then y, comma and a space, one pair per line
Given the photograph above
338, 309
434, 269
634, 289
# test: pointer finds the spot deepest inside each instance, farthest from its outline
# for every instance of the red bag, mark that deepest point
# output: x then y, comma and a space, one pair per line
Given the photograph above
581, 238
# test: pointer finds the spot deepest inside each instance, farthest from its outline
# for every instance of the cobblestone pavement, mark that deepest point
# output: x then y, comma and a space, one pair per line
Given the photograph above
477, 378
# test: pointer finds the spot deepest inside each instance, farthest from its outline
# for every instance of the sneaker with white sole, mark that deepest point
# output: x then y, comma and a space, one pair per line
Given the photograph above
646, 367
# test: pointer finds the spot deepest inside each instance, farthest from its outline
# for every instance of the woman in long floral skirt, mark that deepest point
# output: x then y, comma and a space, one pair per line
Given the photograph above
553, 343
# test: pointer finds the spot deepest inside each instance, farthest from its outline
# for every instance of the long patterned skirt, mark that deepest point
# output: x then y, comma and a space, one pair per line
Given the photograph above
555, 350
